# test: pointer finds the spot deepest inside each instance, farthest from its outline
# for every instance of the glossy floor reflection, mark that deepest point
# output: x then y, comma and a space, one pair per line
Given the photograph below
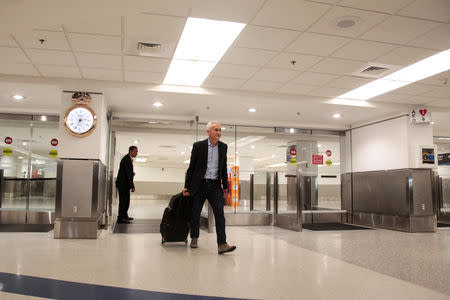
269, 263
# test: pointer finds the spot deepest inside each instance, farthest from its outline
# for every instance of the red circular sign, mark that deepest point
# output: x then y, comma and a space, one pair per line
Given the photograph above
293, 151
54, 142
8, 140
328, 153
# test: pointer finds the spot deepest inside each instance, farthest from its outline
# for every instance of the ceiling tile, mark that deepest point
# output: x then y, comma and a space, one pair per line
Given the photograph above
154, 28
265, 38
364, 21
223, 83
53, 40
302, 61
105, 61
363, 50
261, 86
290, 14
404, 56
12, 56
399, 30
95, 43
434, 38
274, 75
245, 56
440, 103
234, 71
392, 98
164, 7
329, 92
18, 69
230, 10
59, 71
48, 27
440, 92
150, 64
107, 25
144, 77
314, 78
102, 74
350, 82
423, 100
386, 6
438, 79
414, 89
51, 57
317, 44
300, 89
437, 10
6, 40
337, 66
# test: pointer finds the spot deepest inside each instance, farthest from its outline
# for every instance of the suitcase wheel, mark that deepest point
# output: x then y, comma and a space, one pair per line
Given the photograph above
162, 241
185, 241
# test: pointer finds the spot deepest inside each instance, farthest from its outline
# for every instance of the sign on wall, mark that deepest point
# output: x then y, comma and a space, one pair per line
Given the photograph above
428, 156
317, 159
444, 159
419, 115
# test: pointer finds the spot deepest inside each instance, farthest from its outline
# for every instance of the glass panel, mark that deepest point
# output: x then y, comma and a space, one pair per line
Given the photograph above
44, 160
443, 150
14, 162
160, 167
329, 178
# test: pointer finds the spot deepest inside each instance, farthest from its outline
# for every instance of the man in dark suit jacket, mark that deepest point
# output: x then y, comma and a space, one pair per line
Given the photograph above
124, 183
207, 177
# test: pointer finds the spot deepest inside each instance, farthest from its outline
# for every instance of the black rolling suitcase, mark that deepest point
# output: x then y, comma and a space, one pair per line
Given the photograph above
175, 224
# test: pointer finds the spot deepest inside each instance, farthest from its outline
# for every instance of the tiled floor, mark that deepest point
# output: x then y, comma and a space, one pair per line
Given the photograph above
269, 263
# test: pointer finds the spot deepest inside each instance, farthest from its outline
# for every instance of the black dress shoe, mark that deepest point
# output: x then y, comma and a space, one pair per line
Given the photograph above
123, 221
129, 218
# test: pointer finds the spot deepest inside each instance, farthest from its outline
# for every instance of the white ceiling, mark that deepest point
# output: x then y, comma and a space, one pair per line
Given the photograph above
91, 45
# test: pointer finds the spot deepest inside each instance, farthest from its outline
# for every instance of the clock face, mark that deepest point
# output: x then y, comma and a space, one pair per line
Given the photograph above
80, 120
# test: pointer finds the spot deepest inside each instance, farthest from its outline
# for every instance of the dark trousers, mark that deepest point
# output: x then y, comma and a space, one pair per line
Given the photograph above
124, 203
213, 192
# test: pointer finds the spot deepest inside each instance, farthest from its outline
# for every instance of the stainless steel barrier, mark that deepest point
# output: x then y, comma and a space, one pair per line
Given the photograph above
80, 198
393, 199
444, 200
296, 193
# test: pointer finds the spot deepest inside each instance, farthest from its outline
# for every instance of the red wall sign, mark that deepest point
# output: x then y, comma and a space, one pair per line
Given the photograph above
317, 159
8, 140
328, 153
54, 142
293, 151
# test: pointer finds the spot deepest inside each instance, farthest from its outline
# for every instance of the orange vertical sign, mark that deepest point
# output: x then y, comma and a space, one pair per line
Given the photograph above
235, 185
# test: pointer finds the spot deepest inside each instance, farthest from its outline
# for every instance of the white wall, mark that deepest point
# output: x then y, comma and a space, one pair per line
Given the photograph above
154, 174
389, 145
381, 146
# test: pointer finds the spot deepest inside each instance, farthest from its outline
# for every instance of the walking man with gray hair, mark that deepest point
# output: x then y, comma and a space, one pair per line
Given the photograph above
207, 177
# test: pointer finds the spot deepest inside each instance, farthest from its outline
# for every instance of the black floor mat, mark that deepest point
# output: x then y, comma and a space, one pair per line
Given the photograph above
26, 227
138, 226
443, 225
332, 226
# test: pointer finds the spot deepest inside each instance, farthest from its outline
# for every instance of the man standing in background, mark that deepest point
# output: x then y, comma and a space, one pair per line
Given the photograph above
124, 183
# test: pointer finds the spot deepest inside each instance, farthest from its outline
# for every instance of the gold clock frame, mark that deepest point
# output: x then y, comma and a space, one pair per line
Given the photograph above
87, 132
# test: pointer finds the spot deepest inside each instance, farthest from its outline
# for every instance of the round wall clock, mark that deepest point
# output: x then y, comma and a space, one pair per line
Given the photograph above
80, 120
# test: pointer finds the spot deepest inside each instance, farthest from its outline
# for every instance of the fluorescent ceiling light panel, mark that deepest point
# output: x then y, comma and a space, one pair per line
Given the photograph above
188, 72
427, 67
139, 159
203, 43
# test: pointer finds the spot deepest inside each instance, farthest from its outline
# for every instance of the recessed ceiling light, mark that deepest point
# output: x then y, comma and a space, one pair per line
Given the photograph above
43, 118
201, 46
337, 116
136, 142
347, 22
24, 143
18, 97
319, 145
291, 130
252, 110
432, 123
20, 157
223, 128
157, 104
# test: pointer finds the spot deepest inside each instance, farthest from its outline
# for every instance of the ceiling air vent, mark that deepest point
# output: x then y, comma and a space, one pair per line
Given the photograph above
150, 49
375, 70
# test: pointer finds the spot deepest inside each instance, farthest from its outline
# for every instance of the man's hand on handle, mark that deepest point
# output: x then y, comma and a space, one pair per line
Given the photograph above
185, 192
132, 190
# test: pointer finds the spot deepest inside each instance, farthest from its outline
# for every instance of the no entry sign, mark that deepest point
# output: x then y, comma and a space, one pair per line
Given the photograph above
8, 140
54, 142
